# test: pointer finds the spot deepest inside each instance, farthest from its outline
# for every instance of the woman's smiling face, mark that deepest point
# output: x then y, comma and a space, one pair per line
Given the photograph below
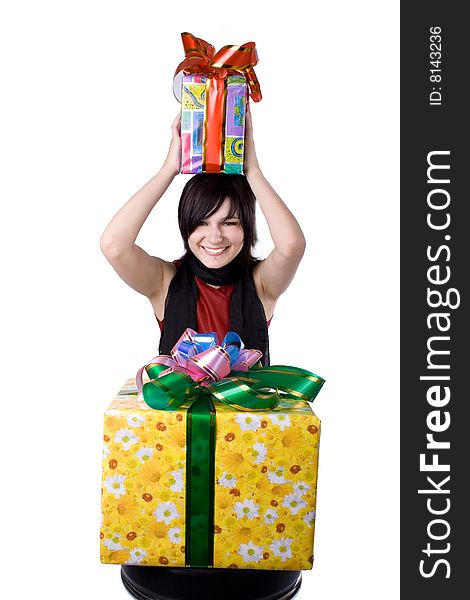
217, 239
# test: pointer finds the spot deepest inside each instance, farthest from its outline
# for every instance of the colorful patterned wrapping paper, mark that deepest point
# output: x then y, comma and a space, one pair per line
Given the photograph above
265, 489
194, 128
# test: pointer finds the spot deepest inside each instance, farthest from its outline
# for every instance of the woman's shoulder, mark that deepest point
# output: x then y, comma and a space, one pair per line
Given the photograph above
169, 270
267, 301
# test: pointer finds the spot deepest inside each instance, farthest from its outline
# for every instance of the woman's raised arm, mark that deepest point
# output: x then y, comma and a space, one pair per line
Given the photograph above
273, 275
146, 274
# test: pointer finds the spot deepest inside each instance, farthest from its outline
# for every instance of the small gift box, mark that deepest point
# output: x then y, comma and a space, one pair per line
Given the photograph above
222, 473
213, 89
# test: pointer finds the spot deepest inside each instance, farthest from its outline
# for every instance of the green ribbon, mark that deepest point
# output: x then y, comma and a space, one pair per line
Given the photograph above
200, 469
258, 389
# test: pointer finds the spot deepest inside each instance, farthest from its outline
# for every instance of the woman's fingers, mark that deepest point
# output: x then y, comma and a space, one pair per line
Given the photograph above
248, 125
248, 115
177, 122
174, 152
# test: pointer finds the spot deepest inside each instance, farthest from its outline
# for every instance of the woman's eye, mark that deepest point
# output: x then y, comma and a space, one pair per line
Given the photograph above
231, 223
202, 223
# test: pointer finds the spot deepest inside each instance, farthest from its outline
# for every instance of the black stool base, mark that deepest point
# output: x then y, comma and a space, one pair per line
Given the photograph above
161, 583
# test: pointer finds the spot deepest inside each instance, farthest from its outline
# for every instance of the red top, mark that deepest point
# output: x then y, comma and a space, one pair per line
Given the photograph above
213, 308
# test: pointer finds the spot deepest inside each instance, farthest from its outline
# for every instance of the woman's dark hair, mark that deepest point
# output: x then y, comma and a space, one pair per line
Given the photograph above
205, 193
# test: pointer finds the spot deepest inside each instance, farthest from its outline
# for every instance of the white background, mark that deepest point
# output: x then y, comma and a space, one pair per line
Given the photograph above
86, 110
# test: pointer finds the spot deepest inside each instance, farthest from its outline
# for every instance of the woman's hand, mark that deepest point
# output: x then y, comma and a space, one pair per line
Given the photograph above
173, 159
250, 161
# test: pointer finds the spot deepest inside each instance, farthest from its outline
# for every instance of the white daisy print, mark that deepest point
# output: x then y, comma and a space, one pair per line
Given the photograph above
176, 481
280, 419
247, 509
135, 420
126, 437
106, 451
248, 422
301, 488
310, 518
113, 542
294, 503
228, 480
250, 553
175, 535
270, 516
282, 548
144, 454
259, 453
166, 512
115, 485
137, 556
277, 476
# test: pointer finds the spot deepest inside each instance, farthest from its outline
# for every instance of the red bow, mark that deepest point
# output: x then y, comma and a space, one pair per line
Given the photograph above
202, 58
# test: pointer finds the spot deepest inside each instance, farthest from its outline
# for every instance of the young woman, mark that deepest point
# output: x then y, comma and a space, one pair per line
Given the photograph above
217, 285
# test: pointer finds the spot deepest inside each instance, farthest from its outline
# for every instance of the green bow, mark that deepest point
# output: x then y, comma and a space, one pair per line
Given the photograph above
258, 389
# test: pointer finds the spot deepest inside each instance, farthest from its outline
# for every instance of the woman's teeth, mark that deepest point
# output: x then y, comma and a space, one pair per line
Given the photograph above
214, 251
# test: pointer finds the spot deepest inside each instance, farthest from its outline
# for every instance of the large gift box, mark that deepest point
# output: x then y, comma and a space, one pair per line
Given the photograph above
209, 483
213, 89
